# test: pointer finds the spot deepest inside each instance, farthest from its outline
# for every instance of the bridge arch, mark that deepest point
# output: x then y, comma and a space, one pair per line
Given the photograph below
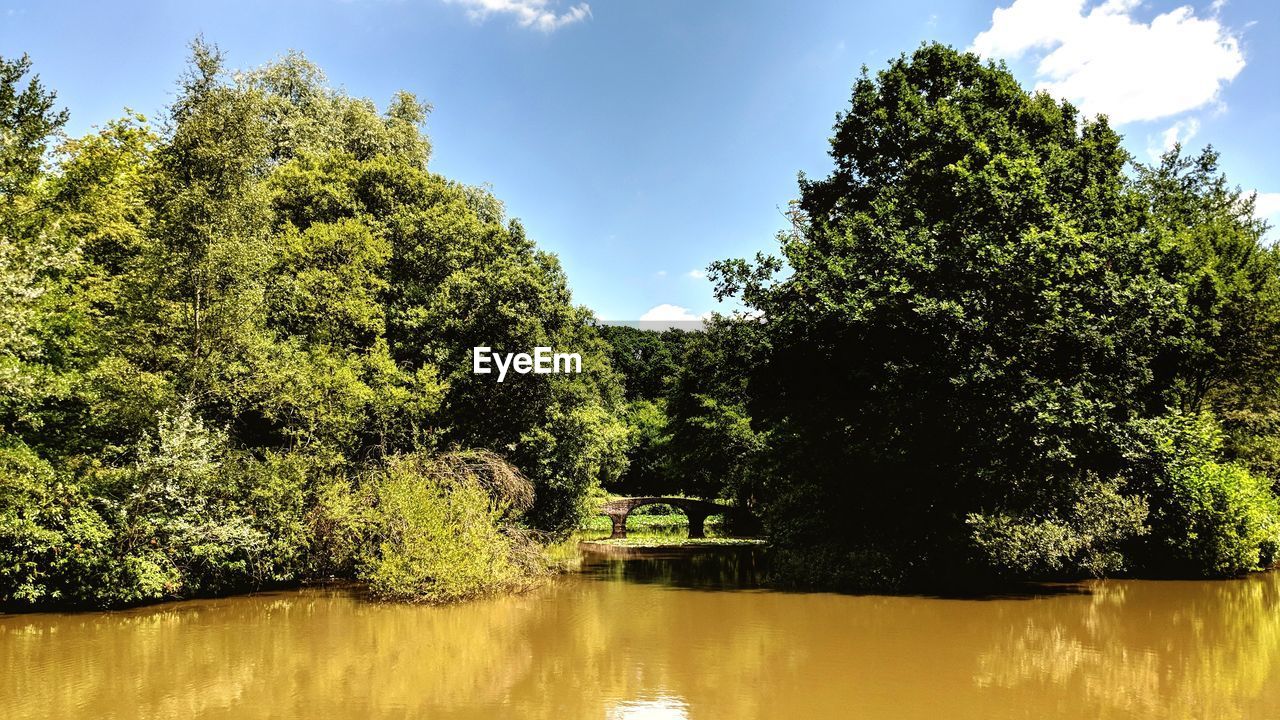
696, 510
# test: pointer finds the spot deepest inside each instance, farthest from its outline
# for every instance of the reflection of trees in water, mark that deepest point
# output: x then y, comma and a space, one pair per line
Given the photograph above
1151, 649
264, 657
719, 568
557, 653
587, 645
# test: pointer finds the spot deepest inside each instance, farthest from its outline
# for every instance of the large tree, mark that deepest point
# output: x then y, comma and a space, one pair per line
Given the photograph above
982, 309
221, 328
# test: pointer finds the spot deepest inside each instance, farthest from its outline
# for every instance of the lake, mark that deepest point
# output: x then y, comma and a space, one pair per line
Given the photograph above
663, 637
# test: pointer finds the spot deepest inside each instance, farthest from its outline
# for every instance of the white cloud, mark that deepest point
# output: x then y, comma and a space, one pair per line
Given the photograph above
536, 14
696, 274
1180, 132
1267, 207
1106, 61
660, 274
671, 313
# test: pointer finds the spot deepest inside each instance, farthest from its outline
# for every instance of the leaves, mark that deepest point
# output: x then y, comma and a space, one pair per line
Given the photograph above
211, 324
983, 306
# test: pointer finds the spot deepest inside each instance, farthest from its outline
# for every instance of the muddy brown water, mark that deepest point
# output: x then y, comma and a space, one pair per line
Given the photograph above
674, 637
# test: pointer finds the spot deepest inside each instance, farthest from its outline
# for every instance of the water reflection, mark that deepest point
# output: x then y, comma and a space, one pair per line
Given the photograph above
720, 568
1151, 649
662, 638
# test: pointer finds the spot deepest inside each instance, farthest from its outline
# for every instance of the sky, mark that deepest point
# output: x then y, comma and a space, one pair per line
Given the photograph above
640, 140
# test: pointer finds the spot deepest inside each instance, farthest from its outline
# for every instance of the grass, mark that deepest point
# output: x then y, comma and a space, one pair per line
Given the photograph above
659, 527
646, 522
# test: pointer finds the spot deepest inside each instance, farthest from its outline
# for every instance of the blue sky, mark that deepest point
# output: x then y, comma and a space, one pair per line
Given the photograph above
641, 139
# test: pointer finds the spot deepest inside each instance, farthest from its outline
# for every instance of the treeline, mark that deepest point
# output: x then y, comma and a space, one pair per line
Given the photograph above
689, 428
234, 350
993, 345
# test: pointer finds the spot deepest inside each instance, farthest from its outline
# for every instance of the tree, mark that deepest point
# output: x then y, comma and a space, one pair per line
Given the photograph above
1232, 280
647, 359
981, 310
713, 447
30, 257
219, 332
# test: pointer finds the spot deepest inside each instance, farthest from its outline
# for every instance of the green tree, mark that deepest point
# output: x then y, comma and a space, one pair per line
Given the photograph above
647, 359
981, 306
713, 448
219, 333
31, 258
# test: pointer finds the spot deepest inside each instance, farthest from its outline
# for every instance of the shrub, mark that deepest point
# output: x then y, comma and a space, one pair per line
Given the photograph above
445, 528
51, 540
1219, 519
1086, 539
188, 516
339, 523
1208, 517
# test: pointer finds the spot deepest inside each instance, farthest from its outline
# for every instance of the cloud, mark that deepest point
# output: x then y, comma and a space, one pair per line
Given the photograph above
660, 274
1106, 61
670, 313
696, 274
1267, 207
535, 14
1179, 133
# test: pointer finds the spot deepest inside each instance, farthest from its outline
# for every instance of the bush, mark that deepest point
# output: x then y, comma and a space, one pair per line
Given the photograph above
187, 517
1087, 539
1208, 516
445, 528
339, 524
51, 540
190, 516
1219, 519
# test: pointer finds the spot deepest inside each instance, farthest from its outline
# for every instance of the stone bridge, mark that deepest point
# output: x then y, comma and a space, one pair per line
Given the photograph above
696, 510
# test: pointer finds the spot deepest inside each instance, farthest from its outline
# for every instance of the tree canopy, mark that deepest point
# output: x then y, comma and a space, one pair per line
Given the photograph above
991, 320
215, 323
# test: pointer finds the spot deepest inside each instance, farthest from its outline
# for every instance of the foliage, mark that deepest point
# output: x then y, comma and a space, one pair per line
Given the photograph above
216, 328
690, 429
49, 534
443, 528
647, 359
649, 470
713, 446
1088, 538
983, 307
235, 351
1209, 517
1227, 520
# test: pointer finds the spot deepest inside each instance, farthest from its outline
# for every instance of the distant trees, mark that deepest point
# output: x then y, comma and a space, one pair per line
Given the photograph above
690, 430
647, 359
997, 340
220, 329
